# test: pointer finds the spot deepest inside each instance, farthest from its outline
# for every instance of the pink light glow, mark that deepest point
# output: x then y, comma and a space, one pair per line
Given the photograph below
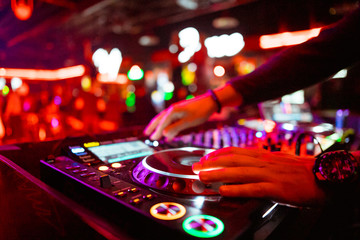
287, 38
47, 75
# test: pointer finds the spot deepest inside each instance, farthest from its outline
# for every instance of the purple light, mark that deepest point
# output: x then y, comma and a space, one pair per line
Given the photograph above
26, 106
54, 122
57, 100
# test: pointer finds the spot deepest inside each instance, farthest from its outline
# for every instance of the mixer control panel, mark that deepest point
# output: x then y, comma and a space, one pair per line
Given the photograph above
154, 179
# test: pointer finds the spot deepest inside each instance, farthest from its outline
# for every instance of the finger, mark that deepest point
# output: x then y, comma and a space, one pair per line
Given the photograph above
227, 161
235, 175
173, 129
250, 190
169, 116
153, 123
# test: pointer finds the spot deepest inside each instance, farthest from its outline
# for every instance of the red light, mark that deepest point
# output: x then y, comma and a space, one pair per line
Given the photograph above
287, 38
48, 75
22, 8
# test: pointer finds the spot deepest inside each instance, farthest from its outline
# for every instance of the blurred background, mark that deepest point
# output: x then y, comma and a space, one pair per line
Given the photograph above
75, 67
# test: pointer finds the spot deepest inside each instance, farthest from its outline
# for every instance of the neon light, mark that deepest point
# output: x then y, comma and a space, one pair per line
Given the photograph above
209, 231
47, 75
287, 38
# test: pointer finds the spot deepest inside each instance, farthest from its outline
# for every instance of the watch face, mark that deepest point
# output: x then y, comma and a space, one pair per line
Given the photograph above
337, 167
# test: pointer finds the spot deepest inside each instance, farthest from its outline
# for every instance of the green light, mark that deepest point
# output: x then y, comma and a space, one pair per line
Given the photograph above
135, 73
168, 96
130, 100
189, 97
5, 90
218, 229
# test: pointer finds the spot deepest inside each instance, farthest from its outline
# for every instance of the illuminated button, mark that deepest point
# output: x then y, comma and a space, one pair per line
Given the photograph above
80, 170
116, 165
167, 211
120, 194
136, 201
133, 190
88, 160
103, 168
72, 167
203, 226
77, 150
81, 154
148, 196
87, 174
91, 144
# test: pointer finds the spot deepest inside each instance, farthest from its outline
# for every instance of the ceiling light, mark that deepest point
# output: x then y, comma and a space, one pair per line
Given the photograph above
225, 22
149, 40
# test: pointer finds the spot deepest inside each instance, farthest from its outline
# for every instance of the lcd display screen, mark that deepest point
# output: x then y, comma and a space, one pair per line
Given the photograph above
116, 152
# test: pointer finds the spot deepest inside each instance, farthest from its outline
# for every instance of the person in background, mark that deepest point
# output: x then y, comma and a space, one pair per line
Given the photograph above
251, 173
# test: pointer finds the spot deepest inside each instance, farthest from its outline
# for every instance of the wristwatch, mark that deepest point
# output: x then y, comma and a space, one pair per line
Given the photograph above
337, 167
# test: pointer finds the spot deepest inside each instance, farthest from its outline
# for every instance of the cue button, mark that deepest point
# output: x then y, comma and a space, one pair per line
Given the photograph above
167, 211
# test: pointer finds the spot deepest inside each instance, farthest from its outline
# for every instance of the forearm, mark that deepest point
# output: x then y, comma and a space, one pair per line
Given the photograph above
303, 65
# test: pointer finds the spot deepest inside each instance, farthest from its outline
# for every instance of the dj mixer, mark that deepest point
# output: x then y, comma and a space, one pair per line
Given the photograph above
138, 182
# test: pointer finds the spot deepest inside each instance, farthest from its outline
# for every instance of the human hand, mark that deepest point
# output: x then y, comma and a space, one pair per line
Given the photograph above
256, 173
180, 116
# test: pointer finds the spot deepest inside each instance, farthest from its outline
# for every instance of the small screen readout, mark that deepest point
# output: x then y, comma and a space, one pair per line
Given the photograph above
116, 152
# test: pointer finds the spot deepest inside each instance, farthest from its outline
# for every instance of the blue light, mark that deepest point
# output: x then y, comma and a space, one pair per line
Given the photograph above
258, 134
77, 150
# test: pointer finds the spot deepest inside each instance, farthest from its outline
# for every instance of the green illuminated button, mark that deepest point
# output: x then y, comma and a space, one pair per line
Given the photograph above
203, 226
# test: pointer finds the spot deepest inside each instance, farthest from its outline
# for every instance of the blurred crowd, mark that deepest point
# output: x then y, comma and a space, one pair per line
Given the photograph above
50, 111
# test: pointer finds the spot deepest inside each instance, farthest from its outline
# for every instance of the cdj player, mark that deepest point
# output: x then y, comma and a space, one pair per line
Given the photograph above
151, 183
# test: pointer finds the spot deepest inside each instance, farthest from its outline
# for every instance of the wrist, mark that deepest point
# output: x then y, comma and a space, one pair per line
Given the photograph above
227, 96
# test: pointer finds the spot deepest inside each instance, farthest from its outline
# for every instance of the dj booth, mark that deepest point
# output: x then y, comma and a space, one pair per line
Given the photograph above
121, 185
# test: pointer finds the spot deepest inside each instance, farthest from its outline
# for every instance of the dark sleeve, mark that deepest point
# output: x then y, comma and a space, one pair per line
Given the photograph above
303, 65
